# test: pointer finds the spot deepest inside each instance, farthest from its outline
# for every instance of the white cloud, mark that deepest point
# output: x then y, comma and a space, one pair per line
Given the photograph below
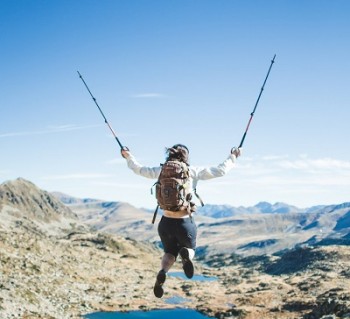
274, 157
4, 172
122, 185
49, 130
318, 164
299, 176
148, 95
76, 176
116, 161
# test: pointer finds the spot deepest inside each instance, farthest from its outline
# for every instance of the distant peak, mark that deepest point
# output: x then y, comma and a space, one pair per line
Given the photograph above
32, 201
265, 207
18, 180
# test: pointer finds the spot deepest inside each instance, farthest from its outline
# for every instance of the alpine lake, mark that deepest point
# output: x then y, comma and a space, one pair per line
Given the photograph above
154, 314
159, 314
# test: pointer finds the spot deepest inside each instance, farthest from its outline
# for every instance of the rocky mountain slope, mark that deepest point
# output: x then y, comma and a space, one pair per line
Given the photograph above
24, 204
53, 266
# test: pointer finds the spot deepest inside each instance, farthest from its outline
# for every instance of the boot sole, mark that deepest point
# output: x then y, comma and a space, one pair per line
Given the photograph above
187, 264
158, 289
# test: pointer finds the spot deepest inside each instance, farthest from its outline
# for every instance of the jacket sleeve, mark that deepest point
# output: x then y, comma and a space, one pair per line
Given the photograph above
137, 168
214, 171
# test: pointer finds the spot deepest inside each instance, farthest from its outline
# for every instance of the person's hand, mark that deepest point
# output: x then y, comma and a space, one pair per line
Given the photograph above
236, 151
125, 152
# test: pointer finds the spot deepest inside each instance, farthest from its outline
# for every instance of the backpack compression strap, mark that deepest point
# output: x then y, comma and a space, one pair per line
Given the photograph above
155, 215
195, 192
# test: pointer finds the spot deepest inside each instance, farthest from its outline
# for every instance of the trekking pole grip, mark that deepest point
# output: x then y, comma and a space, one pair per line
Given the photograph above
124, 148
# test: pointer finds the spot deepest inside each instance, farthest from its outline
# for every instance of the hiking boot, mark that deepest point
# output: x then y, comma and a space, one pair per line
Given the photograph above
187, 264
158, 286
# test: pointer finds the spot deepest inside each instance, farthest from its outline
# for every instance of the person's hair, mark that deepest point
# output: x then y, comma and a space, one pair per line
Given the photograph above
178, 152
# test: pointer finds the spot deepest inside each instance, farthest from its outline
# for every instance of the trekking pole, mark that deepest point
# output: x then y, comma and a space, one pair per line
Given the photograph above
256, 104
115, 135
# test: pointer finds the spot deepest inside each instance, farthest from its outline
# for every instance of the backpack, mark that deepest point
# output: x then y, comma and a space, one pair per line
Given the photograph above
173, 189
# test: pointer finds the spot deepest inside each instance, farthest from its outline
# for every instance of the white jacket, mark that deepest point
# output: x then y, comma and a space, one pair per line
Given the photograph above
196, 173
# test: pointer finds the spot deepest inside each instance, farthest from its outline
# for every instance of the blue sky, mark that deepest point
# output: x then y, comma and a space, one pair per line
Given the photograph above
167, 72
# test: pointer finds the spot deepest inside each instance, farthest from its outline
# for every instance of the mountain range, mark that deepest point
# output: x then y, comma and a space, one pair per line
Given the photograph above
261, 229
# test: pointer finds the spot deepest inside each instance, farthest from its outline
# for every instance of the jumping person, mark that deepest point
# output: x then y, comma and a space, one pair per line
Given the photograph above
177, 229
